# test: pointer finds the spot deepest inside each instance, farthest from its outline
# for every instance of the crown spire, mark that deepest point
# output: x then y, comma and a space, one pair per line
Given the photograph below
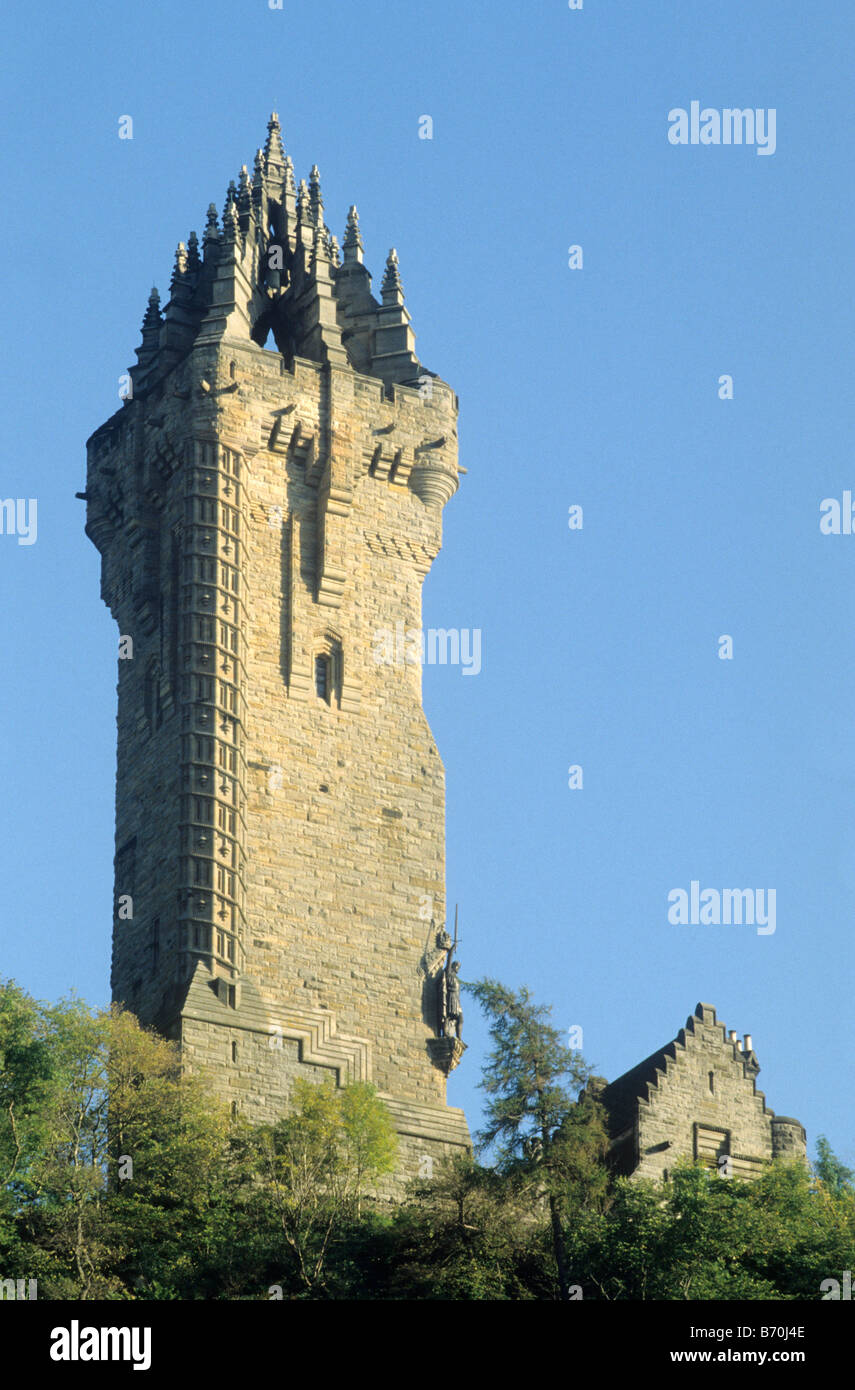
274, 154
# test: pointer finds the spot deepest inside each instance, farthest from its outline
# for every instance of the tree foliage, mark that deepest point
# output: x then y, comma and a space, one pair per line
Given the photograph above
123, 1179
830, 1170
533, 1116
316, 1164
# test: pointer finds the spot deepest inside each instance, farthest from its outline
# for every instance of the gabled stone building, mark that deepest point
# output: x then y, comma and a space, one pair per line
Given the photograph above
261, 514
696, 1097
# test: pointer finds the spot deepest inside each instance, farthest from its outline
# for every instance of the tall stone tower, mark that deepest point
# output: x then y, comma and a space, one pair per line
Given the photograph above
261, 516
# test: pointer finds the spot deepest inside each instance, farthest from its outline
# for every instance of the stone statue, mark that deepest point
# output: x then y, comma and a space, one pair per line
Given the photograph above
454, 1014
450, 1014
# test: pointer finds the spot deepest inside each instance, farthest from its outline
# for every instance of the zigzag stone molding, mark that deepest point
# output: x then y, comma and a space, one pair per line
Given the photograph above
314, 1029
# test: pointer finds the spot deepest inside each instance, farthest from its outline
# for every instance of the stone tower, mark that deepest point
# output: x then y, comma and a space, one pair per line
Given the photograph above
261, 516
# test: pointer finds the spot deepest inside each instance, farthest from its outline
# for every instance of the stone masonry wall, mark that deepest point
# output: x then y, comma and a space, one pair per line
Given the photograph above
683, 1098
325, 830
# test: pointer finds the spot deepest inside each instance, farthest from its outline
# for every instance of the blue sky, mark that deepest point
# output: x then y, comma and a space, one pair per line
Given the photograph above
596, 387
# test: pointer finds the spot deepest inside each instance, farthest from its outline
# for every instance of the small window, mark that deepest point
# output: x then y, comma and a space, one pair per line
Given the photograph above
327, 668
712, 1083
234, 1051
322, 678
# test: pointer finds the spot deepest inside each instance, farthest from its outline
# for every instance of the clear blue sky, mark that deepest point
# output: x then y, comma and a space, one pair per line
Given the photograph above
596, 386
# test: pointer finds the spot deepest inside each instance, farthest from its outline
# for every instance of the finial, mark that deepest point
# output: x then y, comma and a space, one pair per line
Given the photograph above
315, 194
391, 289
245, 194
211, 231
193, 259
152, 318
231, 198
290, 185
273, 151
353, 247
303, 202
335, 253
321, 241
179, 270
231, 225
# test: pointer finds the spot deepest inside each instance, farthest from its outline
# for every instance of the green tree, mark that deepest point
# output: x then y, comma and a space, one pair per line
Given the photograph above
25, 1079
533, 1116
115, 1154
829, 1169
316, 1165
468, 1233
25, 1073
700, 1236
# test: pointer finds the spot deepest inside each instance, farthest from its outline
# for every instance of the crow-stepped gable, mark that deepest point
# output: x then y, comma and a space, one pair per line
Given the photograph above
696, 1097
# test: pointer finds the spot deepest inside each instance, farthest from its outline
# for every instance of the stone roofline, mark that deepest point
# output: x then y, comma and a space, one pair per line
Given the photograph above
640, 1080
